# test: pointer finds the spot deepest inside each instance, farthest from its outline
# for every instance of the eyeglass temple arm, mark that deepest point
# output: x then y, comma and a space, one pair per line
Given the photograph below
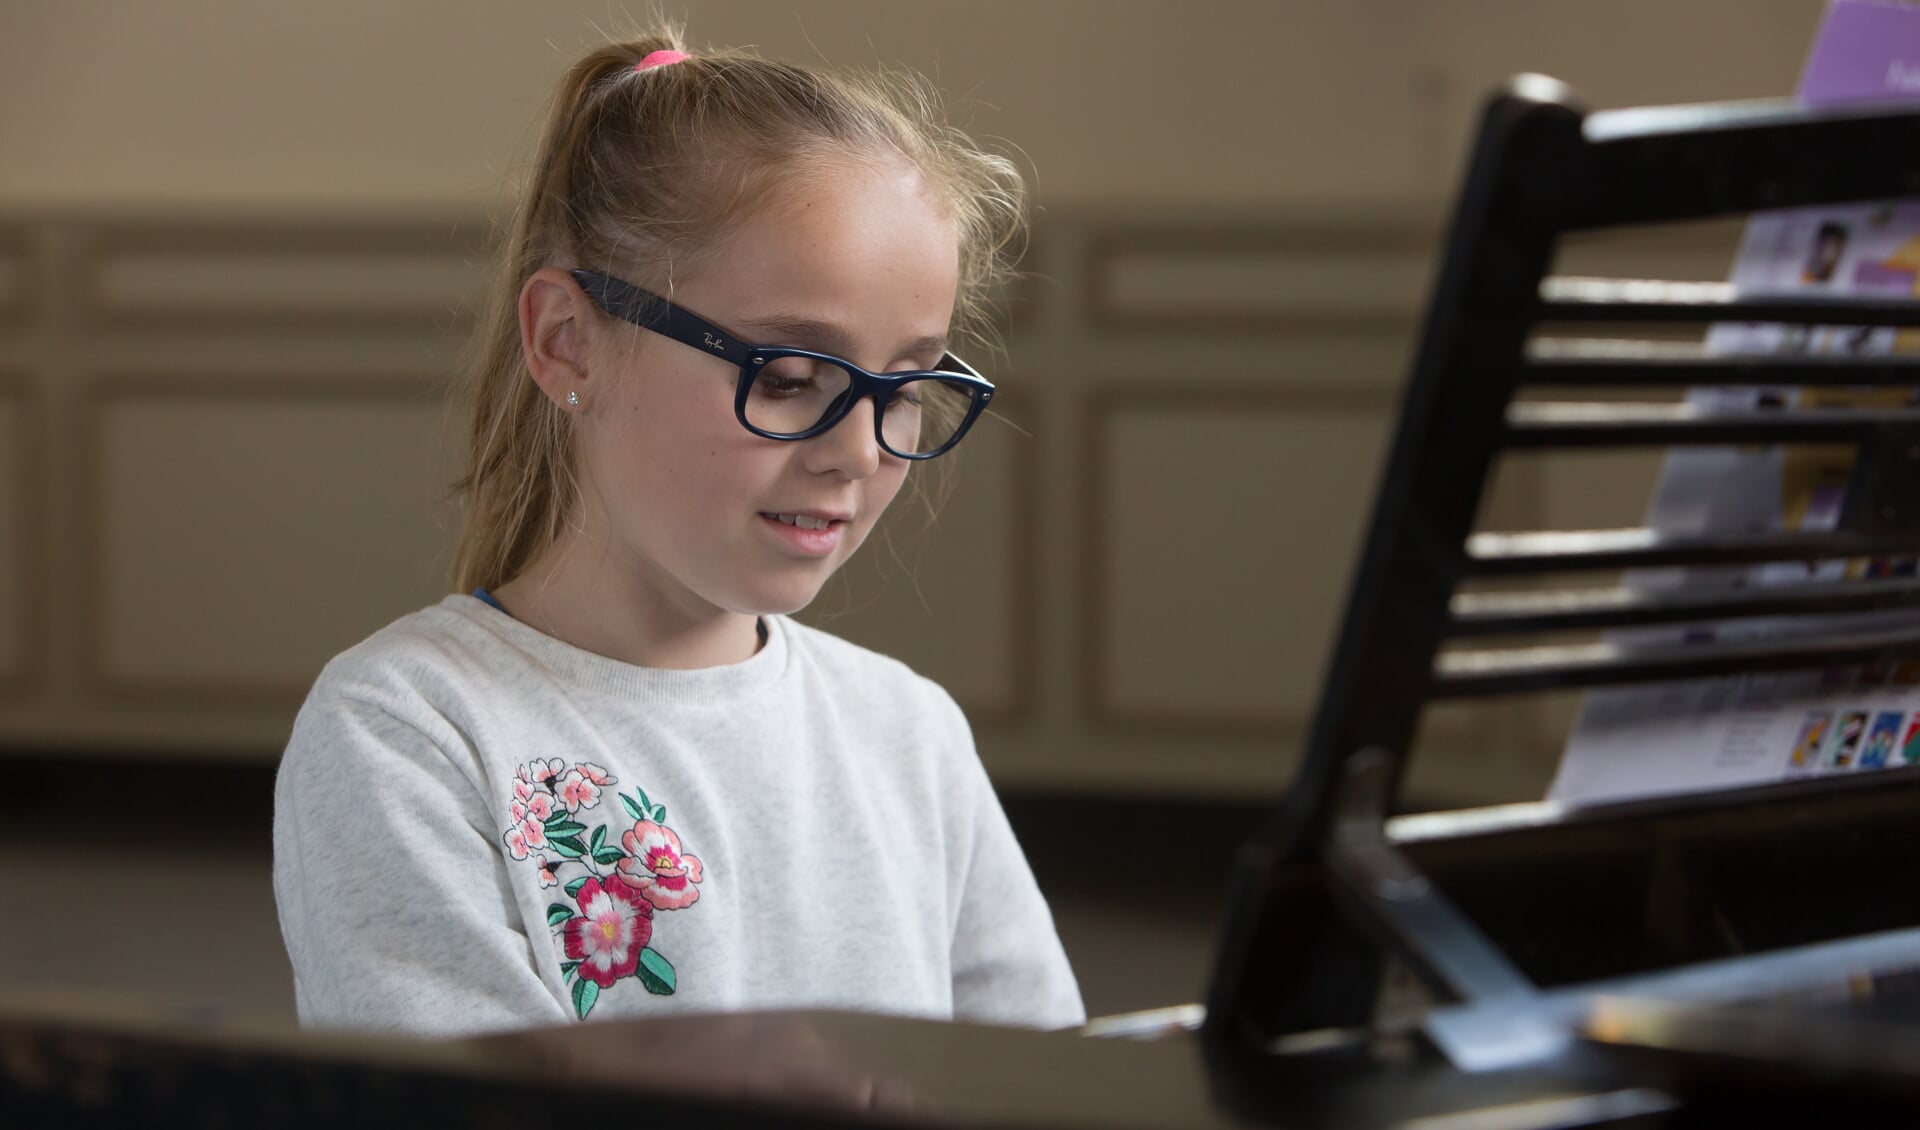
650, 311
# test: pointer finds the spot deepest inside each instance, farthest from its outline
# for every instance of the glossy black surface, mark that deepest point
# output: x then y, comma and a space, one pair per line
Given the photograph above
756, 1069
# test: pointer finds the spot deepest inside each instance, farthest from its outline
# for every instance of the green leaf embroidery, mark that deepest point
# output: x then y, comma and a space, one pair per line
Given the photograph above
566, 970
557, 913
564, 827
573, 888
645, 804
609, 856
655, 972
632, 806
599, 840
569, 846
660, 815
585, 992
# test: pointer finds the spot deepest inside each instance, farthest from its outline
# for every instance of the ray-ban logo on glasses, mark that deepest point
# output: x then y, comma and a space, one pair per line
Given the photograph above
713, 342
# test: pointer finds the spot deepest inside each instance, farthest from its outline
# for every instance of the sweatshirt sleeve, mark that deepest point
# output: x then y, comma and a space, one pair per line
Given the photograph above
396, 910
1008, 964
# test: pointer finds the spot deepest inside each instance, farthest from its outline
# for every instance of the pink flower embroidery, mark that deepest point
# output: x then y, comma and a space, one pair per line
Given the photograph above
593, 773
544, 771
516, 839
547, 877
613, 927
540, 806
522, 788
578, 791
534, 833
656, 865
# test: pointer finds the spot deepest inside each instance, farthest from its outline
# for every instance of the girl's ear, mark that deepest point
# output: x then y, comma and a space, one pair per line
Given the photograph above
553, 315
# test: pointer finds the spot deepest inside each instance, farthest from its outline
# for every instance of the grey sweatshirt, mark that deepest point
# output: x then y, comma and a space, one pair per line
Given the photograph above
477, 826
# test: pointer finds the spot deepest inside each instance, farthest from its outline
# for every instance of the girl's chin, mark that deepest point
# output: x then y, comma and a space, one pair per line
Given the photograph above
781, 586
779, 602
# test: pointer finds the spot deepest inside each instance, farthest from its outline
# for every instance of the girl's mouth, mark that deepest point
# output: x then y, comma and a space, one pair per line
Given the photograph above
807, 534
804, 521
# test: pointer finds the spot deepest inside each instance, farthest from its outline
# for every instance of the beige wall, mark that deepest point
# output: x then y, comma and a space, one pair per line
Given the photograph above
231, 236
353, 102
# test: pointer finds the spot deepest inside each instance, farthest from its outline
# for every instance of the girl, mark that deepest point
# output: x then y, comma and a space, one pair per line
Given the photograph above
616, 779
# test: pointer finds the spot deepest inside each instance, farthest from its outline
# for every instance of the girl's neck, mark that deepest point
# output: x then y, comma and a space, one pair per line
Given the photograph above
577, 594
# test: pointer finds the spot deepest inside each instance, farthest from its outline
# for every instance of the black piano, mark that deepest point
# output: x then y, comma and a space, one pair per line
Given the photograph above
1747, 956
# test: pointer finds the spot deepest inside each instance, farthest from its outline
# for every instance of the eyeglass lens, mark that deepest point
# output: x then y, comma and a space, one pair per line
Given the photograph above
792, 394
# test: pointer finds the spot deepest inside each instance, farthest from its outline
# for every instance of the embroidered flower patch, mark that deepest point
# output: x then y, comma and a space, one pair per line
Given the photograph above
605, 934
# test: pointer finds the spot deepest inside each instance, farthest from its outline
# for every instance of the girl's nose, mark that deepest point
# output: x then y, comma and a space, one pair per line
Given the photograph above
850, 447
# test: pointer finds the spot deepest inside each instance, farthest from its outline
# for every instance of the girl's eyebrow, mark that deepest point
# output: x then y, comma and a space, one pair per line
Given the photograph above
835, 339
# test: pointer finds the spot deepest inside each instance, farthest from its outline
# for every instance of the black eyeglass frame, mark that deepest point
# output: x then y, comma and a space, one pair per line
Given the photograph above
650, 311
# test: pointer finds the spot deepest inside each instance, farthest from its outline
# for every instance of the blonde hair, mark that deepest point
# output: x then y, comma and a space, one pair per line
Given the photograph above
638, 173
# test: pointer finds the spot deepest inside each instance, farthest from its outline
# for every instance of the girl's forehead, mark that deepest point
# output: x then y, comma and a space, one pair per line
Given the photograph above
850, 209
852, 235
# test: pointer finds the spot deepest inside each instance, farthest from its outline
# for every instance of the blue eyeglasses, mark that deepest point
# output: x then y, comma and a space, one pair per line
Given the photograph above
789, 393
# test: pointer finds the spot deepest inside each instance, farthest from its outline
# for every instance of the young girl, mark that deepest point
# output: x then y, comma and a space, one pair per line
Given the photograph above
616, 779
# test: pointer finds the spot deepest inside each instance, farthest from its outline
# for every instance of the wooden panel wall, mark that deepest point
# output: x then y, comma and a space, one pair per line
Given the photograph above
225, 456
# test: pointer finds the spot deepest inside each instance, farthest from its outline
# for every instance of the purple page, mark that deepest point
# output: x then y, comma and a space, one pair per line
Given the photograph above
1865, 51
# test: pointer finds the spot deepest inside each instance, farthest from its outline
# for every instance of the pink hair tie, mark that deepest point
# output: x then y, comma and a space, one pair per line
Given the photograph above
660, 59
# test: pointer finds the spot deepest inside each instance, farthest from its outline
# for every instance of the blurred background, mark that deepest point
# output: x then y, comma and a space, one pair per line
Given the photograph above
239, 246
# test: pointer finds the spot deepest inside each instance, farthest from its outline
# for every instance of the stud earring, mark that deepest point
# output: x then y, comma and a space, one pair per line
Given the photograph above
573, 398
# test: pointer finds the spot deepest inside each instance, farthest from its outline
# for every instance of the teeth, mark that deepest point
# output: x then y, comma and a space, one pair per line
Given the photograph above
804, 521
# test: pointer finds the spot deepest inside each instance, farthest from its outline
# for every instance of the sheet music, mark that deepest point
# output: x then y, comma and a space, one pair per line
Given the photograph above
1753, 729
